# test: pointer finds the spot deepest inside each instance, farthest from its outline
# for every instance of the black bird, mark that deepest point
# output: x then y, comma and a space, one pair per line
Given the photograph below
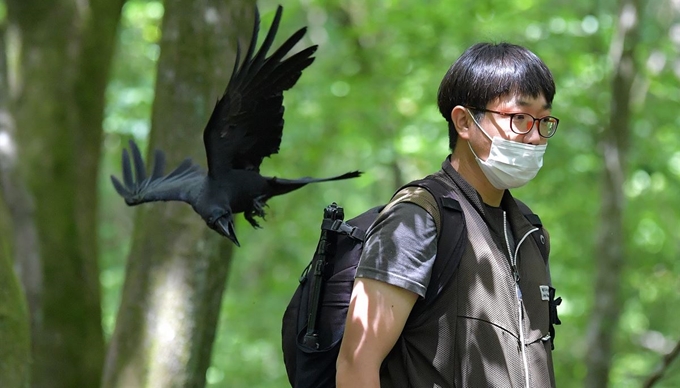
245, 127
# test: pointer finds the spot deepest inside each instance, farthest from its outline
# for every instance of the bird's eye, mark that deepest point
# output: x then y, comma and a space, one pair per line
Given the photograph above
210, 220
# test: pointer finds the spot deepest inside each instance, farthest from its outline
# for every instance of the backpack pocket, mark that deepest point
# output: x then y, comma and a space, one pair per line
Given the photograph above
315, 358
330, 321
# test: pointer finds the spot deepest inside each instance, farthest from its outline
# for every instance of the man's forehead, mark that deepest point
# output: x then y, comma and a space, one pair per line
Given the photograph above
536, 102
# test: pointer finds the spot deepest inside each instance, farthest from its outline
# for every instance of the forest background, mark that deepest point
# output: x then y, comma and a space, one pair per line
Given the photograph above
103, 294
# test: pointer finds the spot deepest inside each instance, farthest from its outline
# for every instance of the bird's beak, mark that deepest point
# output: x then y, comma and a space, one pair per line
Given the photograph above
227, 229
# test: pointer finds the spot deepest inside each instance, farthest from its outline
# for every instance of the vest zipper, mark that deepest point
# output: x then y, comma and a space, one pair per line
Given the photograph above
518, 292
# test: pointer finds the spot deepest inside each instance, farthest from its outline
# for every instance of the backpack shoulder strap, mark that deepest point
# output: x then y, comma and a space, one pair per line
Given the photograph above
421, 197
448, 211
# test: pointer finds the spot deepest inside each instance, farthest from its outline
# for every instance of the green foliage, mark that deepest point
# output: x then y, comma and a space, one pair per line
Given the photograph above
369, 103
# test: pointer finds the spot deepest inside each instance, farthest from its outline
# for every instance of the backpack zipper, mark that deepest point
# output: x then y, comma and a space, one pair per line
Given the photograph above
518, 292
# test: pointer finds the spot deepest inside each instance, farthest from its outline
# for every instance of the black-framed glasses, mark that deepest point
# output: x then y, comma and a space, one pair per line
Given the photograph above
523, 123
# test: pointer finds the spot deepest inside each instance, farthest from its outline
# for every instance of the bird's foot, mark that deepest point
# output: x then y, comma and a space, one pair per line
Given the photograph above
249, 215
257, 210
258, 206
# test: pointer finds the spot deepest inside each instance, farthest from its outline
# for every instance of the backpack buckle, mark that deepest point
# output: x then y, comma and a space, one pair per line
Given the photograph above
341, 227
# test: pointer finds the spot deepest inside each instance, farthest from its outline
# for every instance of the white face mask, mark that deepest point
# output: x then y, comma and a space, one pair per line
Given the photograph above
510, 164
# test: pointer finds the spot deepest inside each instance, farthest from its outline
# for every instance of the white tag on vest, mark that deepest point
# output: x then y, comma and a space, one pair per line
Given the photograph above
545, 292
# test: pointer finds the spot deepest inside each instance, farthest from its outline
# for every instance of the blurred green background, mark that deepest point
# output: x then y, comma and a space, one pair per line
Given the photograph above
369, 103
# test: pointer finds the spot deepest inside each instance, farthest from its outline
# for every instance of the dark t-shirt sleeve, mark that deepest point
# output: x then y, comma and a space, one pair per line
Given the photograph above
400, 248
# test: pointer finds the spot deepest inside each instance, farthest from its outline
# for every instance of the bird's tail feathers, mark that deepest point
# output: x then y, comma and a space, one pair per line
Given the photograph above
281, 186
347, 175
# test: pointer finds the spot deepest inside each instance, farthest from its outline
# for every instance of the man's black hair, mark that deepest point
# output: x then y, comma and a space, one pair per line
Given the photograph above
488, 71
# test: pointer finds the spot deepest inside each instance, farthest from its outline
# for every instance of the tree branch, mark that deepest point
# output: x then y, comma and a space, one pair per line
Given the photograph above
663, 368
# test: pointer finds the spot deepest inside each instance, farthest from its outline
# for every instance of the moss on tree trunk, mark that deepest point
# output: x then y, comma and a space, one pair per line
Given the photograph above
61, 53
15, 344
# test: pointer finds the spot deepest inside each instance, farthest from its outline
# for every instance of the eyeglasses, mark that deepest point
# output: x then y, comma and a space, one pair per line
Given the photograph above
523, 123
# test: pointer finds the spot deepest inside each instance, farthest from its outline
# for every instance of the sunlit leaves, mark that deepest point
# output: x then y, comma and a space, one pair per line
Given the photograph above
130, 93
649, 235
674, 164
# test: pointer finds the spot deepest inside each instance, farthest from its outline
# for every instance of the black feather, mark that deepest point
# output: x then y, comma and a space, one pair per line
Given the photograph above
159, 165
140, 171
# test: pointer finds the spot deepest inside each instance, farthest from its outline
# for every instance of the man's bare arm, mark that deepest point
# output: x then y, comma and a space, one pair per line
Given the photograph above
377, 314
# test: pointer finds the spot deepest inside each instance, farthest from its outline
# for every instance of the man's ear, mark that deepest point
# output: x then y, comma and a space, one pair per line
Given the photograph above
460, 117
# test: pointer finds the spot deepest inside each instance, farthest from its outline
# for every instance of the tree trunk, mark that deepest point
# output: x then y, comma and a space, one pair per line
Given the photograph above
610, 243
15, 352
59, 54
177, 267
17, 234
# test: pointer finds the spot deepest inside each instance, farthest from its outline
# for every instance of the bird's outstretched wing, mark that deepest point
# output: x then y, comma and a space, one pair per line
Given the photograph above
182, 184
247, 122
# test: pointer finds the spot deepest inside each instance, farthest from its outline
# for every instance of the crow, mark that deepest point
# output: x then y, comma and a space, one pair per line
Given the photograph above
245, 126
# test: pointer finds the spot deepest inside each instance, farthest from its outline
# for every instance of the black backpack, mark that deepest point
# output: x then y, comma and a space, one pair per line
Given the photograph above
314, 321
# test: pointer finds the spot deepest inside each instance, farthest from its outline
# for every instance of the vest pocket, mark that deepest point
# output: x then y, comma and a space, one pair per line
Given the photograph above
487, 355
539, 356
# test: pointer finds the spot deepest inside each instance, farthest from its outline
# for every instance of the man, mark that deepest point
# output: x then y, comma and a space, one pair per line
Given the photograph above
489, 327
